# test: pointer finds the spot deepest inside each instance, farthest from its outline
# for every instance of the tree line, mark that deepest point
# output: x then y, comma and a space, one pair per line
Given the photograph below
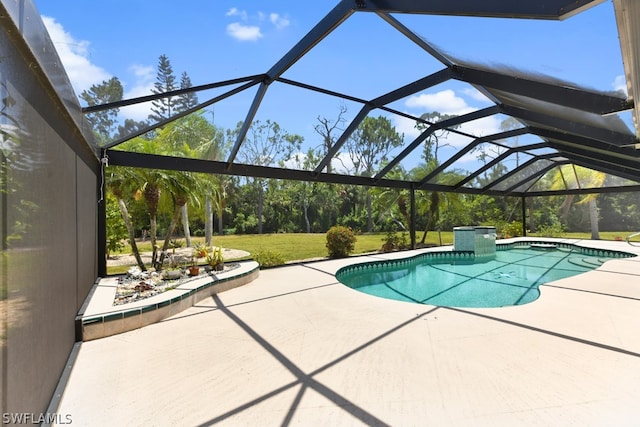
167, 204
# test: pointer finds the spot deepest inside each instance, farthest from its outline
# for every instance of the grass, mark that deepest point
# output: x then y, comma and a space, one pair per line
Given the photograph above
300, 246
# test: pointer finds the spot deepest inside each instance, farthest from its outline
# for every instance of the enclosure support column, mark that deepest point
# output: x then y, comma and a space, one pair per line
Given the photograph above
4, 279
412, 223
524, 216
102, 230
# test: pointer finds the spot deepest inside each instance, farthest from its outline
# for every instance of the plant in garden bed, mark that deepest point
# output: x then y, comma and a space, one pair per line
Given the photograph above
199, 251
215, 259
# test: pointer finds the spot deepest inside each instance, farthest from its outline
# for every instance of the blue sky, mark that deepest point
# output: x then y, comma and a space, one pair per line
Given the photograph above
364, 57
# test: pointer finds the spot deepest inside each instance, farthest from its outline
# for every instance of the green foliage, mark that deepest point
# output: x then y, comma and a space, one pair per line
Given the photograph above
103, 122
510, 229
215, 257
551, 230
175, 244
165, 82
245, 224
394, 242
200, 250
354, 220
269, 258
340, 241
116, 230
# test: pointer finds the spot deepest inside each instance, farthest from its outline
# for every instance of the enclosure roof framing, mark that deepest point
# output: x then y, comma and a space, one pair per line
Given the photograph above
568, 124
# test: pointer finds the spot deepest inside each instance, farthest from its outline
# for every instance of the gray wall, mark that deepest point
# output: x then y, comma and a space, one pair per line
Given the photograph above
49, 206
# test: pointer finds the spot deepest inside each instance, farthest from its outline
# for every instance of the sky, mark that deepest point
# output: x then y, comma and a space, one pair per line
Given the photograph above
364, 57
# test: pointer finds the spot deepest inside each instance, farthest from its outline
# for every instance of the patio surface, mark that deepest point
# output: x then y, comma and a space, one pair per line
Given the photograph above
295, 347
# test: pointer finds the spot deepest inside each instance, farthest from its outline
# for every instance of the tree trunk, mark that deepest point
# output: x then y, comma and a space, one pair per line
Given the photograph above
593, 218
152, 198
132, 235
260, 204
434, 210
305, 210
185, 225
369, 213
220, 222
565, 207
532, 225
153, 230
167, 239
208, 221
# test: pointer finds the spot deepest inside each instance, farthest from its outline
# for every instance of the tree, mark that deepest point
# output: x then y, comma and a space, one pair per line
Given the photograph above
129, 127
302, 191
368, 148
571, 176
432, 144
181, 185
165, 82
116, 231
150, 183
393, 202
430, 204
121, 180
215, 187
266, 144
103, 122
326, 129
188, 100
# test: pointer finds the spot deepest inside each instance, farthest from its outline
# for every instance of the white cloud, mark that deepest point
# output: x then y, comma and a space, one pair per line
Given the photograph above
475, 94
280, 22
144, 78
447, 102
244, 32
405, 126
234, 11
620, 84
444, 102
74, 55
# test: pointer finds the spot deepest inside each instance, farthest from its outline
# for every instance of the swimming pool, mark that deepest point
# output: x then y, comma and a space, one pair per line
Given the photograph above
455, 279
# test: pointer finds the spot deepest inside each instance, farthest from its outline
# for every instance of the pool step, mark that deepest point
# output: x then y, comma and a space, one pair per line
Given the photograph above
586, 262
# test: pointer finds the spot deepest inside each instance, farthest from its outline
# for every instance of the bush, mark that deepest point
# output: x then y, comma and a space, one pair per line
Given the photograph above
269, 258
340, 241
511, 229
551, 230
394, 242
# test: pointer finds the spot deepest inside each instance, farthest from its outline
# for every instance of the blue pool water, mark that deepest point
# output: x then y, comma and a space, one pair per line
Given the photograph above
511, 278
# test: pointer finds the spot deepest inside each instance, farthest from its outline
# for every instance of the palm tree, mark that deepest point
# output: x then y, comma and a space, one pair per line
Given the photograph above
571, 176
389, 201
118, 181
430, 203
150, 183
181, 185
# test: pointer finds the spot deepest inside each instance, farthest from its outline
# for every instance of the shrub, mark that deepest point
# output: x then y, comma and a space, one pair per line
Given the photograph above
269, 258
551, 230
340, 241
394, 242
511, 229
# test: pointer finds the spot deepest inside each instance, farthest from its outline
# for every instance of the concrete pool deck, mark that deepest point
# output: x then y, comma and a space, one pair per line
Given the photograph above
295, 347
